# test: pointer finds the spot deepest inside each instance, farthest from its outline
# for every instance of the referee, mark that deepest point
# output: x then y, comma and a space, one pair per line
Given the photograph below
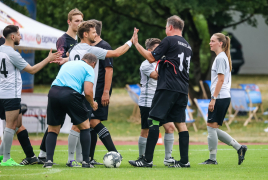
171, 96
65, 97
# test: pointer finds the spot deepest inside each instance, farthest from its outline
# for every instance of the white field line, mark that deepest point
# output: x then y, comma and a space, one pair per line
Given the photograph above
162, 150
50, 171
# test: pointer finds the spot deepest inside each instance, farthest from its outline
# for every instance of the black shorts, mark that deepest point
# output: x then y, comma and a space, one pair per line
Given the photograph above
62, 101
168, 106
144, 116
220, 109
102, 111
9, 105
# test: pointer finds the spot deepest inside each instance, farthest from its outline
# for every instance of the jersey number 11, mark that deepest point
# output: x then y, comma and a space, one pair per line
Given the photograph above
188, 59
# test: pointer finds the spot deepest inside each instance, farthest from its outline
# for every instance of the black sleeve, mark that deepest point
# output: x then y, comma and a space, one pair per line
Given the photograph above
61, 46
161, 49
108, 62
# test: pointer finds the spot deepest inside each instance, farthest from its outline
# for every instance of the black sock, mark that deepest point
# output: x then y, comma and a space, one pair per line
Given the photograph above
94, 139
105, 137
151, 142
43, 143
25, 143
184, 146
85, 139
51, 141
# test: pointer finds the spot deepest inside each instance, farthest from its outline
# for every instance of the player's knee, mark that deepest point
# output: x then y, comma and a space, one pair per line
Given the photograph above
169, 128
213, 125
22, 128
54, 129
144, 133
75, 128
94, 122
181, 127
84, 125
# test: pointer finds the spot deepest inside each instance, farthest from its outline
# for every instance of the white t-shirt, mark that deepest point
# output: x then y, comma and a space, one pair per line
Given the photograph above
148, 85
221, 66
11, 63
79, 50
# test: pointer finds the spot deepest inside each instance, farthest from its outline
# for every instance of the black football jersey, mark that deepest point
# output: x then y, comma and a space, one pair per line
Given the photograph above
174, 68
64, 43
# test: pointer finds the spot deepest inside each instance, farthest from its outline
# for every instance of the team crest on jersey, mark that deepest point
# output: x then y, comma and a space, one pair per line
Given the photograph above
4, 17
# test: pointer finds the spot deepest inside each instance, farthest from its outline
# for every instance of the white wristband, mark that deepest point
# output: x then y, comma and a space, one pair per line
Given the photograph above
129, 43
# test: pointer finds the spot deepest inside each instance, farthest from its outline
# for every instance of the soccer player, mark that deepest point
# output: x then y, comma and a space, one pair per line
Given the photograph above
103, 89
11, 84
87, 34
220, 98
63, 44
148, 82
65, 97
171, 95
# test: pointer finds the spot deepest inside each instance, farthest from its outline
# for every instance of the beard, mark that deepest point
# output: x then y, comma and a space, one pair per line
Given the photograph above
16, 43
92, 41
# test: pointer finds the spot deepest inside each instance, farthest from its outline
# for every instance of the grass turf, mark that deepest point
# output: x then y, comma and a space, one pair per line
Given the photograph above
254, 167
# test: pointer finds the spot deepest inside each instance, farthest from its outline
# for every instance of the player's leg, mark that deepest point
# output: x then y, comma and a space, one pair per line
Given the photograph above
177, 115
43, 155
168, 142
73, 142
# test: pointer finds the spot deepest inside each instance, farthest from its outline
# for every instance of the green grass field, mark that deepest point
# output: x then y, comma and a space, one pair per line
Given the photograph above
254, 167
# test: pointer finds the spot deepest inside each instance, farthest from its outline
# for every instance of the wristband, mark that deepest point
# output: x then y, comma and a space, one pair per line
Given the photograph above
129, 43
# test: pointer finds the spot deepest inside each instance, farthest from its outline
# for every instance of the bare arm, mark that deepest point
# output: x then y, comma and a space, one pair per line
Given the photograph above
107, 86
37, 67
154, 75
216, 92
118, 52
88, 89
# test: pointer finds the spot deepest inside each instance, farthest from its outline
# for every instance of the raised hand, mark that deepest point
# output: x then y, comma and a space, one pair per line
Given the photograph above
135, 36
54, 56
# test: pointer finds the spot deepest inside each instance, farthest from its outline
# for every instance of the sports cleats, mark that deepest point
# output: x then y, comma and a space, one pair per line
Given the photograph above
29, 160
209, 161
141, 162
178, 164
241, 154
48, 164
170, 161
87, 165
41, 160
94, 162
73, 163
10, 162
1, 158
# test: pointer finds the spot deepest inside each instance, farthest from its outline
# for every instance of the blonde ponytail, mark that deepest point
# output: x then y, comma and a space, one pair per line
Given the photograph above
226, 43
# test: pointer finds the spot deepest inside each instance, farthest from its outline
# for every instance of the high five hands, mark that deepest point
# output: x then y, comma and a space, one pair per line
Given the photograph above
134, 38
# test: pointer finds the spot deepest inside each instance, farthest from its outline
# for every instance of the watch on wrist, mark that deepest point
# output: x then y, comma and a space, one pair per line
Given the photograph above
212, 97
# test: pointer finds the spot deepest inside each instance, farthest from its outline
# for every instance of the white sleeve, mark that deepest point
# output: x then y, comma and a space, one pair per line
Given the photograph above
99, 52
18, 61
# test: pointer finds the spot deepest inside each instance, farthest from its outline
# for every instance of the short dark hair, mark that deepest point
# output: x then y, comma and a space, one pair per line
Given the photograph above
10, 29
149, 43
98, 26
85, 27
90, 58
176, 22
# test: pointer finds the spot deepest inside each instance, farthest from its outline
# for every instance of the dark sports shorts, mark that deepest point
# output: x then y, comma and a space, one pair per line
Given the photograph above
220, 110
9, 105
144, 116
62, 101
102, 111
168, 106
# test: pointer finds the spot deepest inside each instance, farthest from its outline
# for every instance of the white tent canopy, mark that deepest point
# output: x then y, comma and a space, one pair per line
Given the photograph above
35, 35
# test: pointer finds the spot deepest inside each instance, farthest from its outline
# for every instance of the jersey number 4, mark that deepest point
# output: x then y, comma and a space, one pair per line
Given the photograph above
188, 59
3, 66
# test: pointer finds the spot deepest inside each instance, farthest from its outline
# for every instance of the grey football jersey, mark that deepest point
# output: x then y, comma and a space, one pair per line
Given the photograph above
11, 63
79, 50
148, 85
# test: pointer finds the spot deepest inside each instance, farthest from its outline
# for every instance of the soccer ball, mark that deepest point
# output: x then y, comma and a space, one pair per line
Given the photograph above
112, 159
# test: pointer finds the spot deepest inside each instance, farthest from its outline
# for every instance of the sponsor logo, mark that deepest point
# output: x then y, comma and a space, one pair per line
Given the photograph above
4, 17
28, 37
38, 39
49, 39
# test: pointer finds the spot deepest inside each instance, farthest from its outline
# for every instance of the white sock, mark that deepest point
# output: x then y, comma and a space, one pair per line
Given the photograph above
42, 154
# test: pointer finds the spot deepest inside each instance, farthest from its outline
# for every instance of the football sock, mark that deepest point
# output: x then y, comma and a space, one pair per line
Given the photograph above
7, 142
94, 139
2, 147
142, 145
42, 154
79, 155
105, 137
184, 146
51, 141
43, 143
212, 142
168, 142
25, 143
227, 139
72, 142
85, 143
152, 139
